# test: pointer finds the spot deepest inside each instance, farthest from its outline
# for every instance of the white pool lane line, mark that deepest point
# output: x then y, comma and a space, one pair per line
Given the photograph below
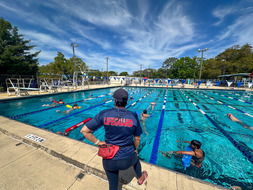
226, 105
235, 143
229, 97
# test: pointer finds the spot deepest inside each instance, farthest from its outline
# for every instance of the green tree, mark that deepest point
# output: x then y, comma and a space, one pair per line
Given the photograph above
123, 74
61, 65
15, 52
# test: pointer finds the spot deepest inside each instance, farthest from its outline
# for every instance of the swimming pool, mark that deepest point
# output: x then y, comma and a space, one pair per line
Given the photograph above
179, 114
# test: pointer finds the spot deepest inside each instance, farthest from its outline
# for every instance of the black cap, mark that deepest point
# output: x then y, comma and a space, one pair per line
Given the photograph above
120, 95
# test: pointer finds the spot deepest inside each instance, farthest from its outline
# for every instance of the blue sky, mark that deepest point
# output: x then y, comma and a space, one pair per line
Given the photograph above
131, 32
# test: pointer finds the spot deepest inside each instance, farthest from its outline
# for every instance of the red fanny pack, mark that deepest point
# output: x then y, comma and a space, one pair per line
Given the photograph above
108, 151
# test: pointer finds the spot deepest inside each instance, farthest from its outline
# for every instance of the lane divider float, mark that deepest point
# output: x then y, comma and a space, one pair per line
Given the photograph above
68, 130
231, 97
233, 141
226, 105
153, 157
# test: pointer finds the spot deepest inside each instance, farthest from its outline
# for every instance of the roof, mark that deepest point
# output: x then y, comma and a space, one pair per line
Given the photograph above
235, 75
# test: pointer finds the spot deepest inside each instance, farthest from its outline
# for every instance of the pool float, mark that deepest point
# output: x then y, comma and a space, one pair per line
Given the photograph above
76, 125
69, 106
187, 158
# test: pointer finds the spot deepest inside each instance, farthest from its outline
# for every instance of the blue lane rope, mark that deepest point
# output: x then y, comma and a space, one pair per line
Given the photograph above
231, 97
74, 113
153, 157
236, 144
38, 111
42, 110
226, 105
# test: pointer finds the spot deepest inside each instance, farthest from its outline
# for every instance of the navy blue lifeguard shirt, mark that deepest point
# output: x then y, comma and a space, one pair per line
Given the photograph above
120, 126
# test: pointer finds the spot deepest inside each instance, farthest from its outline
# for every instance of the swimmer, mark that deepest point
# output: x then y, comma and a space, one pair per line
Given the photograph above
198, 155
143, 119
54, 104
152, 104
234, 119
105, 100
89, 96
131, 98
69, 110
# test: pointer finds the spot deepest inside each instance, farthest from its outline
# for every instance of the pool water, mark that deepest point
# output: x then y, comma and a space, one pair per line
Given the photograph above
225, 163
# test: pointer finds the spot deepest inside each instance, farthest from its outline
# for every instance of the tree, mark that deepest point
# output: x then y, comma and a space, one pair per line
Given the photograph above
15, 55
61, 65
123, 74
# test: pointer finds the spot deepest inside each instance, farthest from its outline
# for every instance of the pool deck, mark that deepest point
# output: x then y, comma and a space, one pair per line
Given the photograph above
63, 163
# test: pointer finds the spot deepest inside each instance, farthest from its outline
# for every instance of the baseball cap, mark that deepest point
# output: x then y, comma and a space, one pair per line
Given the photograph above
120, 95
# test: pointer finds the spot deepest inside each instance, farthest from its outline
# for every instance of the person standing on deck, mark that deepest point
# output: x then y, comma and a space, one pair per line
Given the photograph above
122, 128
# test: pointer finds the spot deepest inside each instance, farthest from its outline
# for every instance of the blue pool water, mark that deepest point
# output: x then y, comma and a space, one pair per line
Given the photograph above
178, 115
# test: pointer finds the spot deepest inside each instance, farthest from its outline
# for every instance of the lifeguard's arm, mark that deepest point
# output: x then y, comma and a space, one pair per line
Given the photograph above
137, 140
184, 152
87, 133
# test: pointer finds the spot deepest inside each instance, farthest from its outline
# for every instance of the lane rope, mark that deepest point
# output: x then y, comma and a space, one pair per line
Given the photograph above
42, 110
235, 143
54, 121
245, 113
230, 97
153, 157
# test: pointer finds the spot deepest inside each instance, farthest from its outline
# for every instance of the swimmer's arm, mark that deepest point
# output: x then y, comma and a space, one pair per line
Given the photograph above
87, 133
187, 142
184, 152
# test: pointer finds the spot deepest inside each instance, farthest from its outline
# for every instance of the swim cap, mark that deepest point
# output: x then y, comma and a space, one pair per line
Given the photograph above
145, 111
120, 95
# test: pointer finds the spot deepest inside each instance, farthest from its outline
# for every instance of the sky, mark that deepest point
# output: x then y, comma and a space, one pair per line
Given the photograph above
135, 34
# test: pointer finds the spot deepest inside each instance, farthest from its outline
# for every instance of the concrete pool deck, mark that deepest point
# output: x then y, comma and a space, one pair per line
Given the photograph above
63, 163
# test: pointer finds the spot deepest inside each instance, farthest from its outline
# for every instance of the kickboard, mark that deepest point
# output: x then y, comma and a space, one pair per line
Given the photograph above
187, 158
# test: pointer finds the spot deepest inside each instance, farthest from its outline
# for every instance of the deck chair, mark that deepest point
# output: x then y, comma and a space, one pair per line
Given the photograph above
249, 84
48, 87
208, 83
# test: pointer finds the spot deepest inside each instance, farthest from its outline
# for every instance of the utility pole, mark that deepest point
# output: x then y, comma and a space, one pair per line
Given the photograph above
140, 71
201, 61
107, 69
74, 74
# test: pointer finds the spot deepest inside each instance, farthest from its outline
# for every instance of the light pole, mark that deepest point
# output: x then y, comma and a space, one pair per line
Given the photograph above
74, 57
107, 67
140, 72
201, 50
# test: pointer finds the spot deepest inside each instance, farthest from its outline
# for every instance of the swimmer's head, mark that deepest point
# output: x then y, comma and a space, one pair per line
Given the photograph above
196, 143
229, 114
144, 111
60, 100
75, 104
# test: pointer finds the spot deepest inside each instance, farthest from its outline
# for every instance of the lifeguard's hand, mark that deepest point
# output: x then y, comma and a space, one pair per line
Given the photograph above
101, 143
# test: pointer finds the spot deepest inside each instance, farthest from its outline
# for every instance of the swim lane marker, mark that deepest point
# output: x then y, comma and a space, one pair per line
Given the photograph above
226, 105
235, 143
153, 157
230, 97
73, 114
